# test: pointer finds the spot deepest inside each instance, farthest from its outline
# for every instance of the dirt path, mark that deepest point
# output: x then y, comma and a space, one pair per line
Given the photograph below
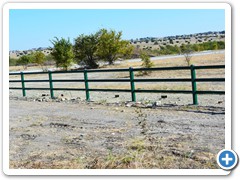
88, 135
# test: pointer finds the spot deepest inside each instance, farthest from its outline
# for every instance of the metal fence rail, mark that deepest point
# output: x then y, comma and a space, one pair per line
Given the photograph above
132, 81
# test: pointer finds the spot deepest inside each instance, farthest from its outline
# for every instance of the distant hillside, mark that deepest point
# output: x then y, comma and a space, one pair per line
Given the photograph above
16, 54
149, 43
155, 43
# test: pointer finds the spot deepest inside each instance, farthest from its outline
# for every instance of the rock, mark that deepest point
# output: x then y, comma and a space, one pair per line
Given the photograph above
163, 96
45, 95
62, 99
161, 121
138, 104
157, 103
116, 95
129, 104
149, 106
122, 111
39, 100
116, 104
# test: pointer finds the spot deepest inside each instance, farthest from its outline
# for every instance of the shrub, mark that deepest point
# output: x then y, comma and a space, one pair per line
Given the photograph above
146, 63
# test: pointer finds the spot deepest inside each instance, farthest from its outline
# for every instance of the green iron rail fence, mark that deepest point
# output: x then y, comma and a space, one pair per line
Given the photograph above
132, 81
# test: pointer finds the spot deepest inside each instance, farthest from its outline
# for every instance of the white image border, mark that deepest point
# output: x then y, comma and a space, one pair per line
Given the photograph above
9, 6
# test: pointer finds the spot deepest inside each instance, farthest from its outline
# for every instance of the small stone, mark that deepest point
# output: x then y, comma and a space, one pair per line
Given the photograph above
161, 121
220, 102
39, 100
129, 105
149, 106
62, 95
122, 111
45, 95
91, 107
62, 99
116, 95
157, 103
163, 96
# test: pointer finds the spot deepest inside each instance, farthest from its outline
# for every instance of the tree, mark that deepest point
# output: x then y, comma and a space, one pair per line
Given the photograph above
214, 45
85, 48
111, 46
39, 58
187, 52
24, 61
146, 63
62, 52
12, 61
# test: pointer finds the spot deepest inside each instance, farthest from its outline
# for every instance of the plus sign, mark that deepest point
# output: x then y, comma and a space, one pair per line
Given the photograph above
227, 159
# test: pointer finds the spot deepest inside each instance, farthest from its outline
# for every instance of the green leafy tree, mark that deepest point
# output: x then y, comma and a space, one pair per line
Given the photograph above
214, 45
221, 44
24, 60
85, 49
196, 47
62, 52
146, 63
111, 46
39, 58
12, 61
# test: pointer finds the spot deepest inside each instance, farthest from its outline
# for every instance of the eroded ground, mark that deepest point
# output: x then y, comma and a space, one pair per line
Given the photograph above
89, 135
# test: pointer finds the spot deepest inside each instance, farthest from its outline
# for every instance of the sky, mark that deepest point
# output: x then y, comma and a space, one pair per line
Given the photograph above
33, 28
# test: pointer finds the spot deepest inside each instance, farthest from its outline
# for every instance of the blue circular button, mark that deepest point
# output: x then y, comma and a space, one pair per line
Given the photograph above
227, 159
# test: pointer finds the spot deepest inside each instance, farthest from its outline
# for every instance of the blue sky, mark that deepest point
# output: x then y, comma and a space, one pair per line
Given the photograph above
35, 28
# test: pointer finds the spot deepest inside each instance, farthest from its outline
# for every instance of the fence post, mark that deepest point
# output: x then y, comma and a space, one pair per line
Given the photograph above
23, 85
194, 85
132, 84
50, 84
86, 85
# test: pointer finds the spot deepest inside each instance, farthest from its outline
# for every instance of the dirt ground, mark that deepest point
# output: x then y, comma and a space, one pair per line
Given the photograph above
71, 133
90, 135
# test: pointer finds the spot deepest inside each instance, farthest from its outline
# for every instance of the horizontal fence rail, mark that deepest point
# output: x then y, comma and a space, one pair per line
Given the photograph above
131, 80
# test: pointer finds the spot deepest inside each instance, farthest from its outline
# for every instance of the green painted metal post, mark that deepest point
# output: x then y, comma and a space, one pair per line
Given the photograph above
23, 85
86, 85
132, 84
194, 85
50, 84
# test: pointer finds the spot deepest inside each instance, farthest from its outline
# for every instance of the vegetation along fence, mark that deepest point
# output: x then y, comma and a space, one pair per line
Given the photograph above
131, 80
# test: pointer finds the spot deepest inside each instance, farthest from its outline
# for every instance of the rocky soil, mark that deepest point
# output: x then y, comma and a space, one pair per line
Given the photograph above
68, 132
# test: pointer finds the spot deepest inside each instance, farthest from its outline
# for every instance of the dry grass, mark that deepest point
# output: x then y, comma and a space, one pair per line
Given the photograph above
141, 153
212, 59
